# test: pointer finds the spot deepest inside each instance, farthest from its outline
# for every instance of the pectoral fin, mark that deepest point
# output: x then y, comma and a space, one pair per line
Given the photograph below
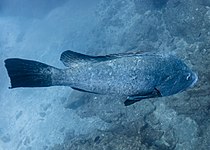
136, 98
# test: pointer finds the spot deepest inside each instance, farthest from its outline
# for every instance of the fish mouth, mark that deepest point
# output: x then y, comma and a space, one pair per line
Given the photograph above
195, 76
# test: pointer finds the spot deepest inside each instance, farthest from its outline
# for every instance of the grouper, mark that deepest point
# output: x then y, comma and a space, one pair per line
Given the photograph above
135, 76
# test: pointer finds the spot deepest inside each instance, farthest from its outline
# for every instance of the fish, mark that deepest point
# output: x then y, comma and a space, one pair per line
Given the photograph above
136, 76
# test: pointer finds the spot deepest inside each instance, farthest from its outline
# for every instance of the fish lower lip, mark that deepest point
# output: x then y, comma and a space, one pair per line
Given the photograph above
196, 79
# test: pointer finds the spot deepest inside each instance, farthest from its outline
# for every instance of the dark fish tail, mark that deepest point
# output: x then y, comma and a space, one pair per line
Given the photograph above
28, 73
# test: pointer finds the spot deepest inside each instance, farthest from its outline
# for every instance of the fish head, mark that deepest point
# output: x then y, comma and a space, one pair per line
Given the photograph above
178, 80
185, 79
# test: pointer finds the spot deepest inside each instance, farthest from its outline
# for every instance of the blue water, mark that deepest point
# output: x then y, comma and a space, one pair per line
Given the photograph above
58, 117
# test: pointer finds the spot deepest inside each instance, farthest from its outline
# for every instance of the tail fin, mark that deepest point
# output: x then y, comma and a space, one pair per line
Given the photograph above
28, 73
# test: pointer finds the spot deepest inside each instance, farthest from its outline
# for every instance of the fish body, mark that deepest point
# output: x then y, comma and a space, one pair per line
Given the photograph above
135, 75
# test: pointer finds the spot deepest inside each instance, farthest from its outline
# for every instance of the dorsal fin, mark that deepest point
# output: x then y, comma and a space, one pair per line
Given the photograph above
70, 58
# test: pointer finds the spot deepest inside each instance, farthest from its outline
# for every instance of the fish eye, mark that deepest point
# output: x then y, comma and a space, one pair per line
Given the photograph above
188, 76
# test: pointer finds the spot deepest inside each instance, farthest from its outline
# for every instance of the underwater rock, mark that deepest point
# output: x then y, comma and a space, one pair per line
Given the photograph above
6, 138
188, 21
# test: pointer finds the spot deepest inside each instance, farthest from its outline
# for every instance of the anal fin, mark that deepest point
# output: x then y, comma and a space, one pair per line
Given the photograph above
130, 102
81, 90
